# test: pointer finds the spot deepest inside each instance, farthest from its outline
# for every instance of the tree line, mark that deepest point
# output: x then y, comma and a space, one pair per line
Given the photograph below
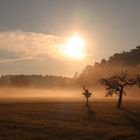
91, 74
39, 81
131, 58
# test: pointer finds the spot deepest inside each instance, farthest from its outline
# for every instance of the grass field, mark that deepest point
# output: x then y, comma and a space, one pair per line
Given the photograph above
69, 121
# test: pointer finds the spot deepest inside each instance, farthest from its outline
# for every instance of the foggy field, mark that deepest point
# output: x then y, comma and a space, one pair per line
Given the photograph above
70, 70
69, 121
59, 95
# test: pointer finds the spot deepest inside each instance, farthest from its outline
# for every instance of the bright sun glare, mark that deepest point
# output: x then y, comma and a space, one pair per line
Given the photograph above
74, 47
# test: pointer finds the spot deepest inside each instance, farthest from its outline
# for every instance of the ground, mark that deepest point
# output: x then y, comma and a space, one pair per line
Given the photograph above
69, 121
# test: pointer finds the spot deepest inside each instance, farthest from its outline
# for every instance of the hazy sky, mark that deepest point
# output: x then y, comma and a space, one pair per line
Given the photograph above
32, 31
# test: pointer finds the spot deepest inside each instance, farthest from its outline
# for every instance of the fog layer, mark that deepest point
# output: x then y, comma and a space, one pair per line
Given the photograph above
59, 95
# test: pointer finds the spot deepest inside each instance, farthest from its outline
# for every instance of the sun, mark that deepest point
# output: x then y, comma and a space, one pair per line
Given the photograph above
74, 47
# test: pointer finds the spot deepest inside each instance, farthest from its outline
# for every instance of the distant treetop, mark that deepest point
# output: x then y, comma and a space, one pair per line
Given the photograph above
131, 58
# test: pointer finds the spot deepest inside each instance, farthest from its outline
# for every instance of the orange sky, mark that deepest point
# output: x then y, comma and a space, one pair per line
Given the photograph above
32, 33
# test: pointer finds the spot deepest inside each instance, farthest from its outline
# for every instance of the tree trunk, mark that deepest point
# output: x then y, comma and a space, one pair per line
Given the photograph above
87, 102
120, 99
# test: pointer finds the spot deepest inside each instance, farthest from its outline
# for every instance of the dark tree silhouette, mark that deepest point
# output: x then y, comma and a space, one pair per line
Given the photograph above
116, 84
138, 80
87, 94
39, 81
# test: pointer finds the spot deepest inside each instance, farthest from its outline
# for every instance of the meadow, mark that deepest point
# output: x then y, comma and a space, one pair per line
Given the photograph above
69, 121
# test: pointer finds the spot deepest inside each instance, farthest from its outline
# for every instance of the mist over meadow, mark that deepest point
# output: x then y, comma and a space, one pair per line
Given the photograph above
61, 88
69, 70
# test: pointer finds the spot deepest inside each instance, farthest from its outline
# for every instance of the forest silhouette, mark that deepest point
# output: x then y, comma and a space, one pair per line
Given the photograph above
129, 61
90, 75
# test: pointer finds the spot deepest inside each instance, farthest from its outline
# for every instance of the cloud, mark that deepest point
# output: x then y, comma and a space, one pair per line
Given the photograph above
35, 53
30, 45
17, 59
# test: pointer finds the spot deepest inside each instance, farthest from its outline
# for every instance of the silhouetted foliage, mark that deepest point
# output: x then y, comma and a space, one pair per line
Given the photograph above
116, 84
138, 80
128, 60
47, 81
19, 80
87, 95
103, 62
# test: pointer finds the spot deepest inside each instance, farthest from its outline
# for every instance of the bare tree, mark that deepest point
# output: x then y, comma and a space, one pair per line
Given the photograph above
116, 84
138, 80
87, 94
